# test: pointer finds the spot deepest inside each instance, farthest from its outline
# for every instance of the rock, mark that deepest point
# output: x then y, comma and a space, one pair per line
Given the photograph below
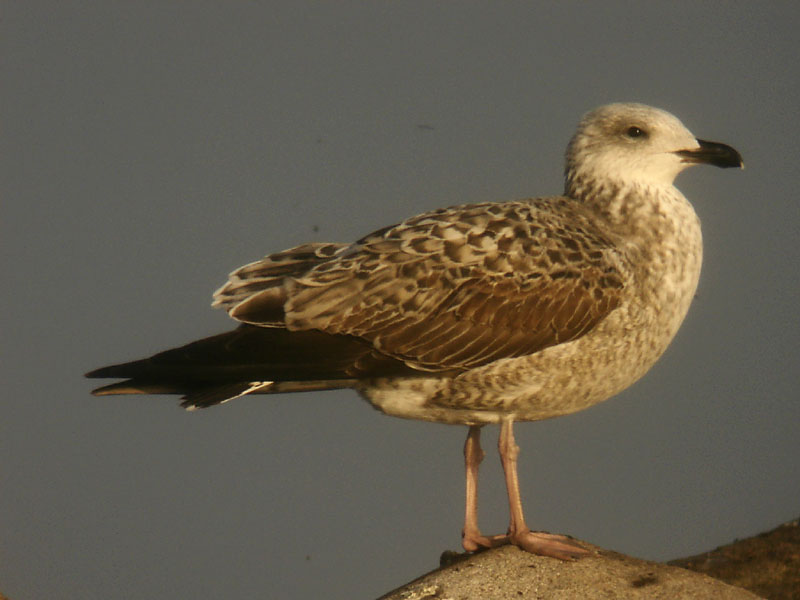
507, 573
767, 564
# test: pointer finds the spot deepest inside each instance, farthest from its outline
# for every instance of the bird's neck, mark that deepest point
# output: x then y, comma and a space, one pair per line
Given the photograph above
657, 226
632, 207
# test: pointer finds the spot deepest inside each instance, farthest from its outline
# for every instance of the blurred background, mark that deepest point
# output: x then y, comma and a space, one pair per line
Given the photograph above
150, 148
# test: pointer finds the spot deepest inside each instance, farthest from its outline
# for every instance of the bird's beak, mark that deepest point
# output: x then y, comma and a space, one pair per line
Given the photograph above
712, 153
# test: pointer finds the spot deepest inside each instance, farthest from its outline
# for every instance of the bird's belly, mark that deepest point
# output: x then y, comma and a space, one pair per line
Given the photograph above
556, 381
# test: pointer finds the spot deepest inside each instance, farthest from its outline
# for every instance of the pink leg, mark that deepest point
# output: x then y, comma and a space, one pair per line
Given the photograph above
519, 534
471, 537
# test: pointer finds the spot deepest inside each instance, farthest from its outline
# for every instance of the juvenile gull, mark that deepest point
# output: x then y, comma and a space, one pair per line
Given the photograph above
474, 314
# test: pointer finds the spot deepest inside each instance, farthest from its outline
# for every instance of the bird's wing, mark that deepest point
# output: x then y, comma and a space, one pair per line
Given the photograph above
450, 289
270, 272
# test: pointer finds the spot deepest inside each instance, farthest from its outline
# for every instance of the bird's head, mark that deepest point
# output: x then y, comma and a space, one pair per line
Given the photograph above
634, 143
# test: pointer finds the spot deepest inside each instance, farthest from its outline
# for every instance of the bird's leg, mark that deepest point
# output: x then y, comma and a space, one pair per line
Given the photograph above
544, 544
471, 537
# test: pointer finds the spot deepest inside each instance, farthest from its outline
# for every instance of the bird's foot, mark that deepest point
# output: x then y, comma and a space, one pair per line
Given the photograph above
472, 541
547, 544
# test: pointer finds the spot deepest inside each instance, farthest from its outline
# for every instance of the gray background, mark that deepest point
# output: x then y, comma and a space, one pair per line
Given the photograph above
150, 148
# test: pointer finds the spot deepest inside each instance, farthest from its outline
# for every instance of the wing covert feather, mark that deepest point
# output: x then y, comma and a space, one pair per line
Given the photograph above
454, 288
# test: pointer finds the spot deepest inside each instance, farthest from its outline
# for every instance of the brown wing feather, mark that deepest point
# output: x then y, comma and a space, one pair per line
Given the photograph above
451, 289
264, 278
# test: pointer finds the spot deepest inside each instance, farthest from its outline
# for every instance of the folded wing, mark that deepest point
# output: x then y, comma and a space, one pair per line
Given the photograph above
451, 289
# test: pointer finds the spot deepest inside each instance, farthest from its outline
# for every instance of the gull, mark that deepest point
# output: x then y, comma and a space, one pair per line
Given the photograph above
474, 314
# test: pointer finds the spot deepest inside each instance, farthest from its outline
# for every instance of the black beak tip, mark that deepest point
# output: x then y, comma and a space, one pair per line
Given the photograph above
713, 153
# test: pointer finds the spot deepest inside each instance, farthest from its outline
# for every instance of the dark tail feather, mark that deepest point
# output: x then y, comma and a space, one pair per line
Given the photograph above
249, 360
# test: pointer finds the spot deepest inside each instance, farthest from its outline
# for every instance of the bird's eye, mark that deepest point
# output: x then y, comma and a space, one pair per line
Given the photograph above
635, 132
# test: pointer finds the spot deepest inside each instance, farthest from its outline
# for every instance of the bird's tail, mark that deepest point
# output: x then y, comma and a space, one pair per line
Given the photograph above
250, 360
